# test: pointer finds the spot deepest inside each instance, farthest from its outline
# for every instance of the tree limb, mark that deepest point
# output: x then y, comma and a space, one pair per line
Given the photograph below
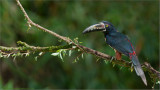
146, 66
24, 47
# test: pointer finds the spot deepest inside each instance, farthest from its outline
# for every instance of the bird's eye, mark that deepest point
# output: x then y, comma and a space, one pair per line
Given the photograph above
107, 25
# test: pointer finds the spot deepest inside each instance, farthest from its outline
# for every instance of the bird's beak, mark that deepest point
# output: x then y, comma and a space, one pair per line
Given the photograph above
95, 27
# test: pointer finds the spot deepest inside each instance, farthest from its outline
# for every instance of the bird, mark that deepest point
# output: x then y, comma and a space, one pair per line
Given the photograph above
120, 43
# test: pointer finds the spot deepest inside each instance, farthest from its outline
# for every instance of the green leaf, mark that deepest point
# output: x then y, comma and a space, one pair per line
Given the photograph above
73, 46
60, 40
79, 50
77, 58
36, 58
1, 55
97, 59
13, 55
82, 55
106, 62
74, 61
40, 53
158, 82
121, 68
60, 55
113, 64
27, 54
64, 52
70, 52
18, 54
14, 58
55, 54
70, 43
8, 55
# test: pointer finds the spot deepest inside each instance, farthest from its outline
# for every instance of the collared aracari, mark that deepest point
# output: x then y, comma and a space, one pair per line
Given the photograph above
120, 43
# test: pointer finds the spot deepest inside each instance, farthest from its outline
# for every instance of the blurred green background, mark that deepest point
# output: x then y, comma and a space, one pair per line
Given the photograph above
137, 19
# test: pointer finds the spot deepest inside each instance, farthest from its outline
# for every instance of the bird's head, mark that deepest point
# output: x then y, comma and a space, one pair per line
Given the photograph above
103, 26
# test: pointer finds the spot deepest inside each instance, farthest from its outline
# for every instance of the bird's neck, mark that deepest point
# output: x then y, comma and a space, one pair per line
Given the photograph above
109, 32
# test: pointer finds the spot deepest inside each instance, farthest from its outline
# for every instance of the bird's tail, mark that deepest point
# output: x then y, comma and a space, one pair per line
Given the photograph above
138, 68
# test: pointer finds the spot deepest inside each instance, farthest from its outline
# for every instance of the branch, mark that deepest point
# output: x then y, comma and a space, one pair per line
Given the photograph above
25, 47
30, 22
146, 66
68, 40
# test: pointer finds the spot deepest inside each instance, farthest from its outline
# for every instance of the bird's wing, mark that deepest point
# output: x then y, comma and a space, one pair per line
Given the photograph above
120, 42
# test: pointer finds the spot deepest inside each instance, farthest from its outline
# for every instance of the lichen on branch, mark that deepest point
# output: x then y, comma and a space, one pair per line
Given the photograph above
25, 49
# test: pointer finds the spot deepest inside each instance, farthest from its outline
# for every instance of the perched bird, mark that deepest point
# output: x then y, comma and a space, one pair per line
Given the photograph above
120, 43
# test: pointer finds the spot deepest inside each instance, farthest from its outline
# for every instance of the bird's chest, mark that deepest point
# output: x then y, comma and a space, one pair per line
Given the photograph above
110, 39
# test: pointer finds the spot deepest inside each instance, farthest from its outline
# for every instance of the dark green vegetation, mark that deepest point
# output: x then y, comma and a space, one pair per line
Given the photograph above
138, 20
